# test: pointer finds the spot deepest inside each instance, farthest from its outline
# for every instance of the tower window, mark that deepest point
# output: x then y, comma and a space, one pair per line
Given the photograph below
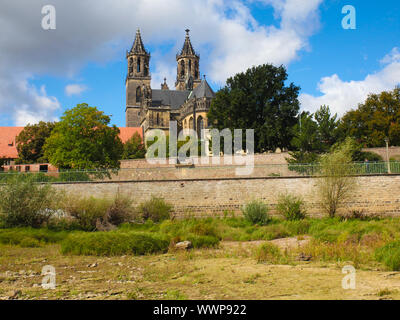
138, 94
138, 65
190, 66
182, 68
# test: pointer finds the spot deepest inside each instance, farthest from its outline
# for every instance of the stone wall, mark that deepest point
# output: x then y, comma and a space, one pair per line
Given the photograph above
378, 195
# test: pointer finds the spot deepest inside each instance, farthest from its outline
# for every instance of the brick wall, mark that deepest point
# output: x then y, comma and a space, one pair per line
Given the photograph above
375, 194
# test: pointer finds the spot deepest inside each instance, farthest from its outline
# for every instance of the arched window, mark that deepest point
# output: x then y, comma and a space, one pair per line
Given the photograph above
158, 119
190, 66
191, 123
200, 126
146, 68
182, 68
138, 94
196, 69
138, 64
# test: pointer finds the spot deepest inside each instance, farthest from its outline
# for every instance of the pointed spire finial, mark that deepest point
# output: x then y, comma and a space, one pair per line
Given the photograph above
187, 32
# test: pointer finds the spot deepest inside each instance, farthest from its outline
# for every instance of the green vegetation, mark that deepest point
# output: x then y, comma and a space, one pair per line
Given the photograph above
83, 140
269, 253
155, 209
134, 148
113, 243
258, 99
24, 203
389, 255
256, 212
31, 140
336, 183
291, 207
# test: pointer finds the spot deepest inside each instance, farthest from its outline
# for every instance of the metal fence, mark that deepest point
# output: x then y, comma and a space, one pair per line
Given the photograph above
204, 172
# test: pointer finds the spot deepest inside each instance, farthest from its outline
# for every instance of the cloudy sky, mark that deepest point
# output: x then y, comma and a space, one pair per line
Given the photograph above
44, 72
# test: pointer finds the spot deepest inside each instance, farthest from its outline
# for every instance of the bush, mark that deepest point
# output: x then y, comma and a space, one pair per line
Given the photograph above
155, 209
268, 252
99, 214
389, 255
256, 212
113, 243
202, 241
24, 203
24, 236
87, 211
291, 207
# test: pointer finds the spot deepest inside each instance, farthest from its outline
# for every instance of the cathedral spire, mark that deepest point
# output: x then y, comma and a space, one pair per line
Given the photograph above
187, 49
138, 47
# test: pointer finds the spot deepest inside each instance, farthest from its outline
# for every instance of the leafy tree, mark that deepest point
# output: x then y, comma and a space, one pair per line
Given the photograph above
336, 183
31, 140
134, 148
374, 120
258, 99
2, 163
327, 127
83, 140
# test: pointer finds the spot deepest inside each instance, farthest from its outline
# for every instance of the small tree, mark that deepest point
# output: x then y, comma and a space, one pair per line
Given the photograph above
336, 182
31, 140
24, 203
134, 148
83, 140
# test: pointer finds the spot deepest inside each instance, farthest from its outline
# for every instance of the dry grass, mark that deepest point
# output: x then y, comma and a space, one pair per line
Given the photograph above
230, 272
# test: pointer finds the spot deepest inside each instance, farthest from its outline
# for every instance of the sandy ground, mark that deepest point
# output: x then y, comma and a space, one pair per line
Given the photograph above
230, 272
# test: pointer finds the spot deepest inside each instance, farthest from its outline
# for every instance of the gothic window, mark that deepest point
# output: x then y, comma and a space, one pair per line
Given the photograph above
190, 66
196, 70
182, 68
130, 66
146, 68
191, 123
138, 94
158, 119
138, 65
200, 126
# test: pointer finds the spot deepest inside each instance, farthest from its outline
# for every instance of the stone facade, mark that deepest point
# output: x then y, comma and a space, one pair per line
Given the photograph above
155, 108
211, 197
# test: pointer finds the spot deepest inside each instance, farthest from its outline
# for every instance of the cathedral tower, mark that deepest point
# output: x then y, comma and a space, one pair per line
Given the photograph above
188, 74
137, 78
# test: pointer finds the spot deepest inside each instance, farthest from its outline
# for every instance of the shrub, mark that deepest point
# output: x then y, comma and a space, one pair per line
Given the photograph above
389, 255
87, 211
120, 211
268, 252
24, 203
98, 214
202, 241
113, 243
28, 235
29, 243
155, 209
291, 207
256, 212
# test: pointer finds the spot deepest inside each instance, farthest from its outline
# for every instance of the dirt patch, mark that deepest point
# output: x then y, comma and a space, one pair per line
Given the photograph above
291, 243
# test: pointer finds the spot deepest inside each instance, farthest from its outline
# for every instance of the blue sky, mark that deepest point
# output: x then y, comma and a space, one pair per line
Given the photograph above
332, 65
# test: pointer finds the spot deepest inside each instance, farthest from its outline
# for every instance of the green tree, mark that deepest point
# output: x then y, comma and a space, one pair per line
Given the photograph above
258, 99
336, 182
31, 140
83, 140
374, 120
134, 148
327, 127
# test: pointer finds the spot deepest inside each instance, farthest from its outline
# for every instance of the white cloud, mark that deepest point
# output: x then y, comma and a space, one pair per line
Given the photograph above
223, 31
74, 89
342, 96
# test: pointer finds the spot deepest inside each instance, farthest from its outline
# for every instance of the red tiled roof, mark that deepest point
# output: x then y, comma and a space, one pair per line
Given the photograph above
8, 148
7, 142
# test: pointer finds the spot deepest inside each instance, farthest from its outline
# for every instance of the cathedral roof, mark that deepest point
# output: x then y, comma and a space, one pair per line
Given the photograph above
172, 98
187, 49
203, 91
138, 46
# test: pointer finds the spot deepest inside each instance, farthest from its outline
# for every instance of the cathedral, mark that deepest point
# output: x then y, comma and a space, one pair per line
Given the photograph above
151, 108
